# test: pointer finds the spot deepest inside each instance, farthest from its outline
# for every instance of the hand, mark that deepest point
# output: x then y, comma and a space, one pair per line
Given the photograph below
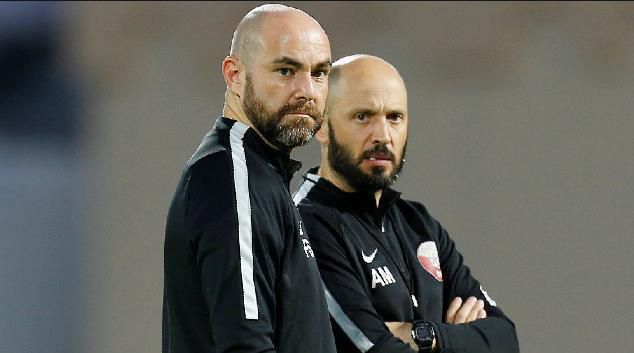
460, 313
403, 330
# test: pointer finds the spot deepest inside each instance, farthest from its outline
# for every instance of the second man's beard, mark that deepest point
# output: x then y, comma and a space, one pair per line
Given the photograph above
342, 162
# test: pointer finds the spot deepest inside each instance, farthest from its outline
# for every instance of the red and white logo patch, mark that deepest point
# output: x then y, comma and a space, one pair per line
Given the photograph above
427, 254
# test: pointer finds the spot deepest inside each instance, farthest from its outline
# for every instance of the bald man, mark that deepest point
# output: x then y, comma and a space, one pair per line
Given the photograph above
240, 274
395, 281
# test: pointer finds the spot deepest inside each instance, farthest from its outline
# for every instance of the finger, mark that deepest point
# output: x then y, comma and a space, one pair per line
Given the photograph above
453, 308
465, 310
474, 311
482, 314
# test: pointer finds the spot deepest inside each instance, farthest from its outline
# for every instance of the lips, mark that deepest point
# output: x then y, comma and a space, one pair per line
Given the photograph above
301, 108
301, 113
380, 157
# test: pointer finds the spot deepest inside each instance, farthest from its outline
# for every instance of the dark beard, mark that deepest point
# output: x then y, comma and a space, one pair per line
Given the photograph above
341, 160
284, 135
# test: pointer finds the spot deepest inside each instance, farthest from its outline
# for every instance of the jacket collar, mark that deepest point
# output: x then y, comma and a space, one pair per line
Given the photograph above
323, 191
280, 161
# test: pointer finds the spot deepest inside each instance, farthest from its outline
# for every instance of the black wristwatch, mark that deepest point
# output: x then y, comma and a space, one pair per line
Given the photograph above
423, 334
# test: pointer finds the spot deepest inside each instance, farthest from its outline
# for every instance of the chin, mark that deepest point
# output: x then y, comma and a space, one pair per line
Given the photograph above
379, 171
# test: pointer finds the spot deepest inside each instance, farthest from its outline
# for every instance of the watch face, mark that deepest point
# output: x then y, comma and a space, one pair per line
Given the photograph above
423, 336
424, 332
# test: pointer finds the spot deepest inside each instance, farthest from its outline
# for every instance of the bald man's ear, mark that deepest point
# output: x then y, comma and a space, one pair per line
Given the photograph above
322, 133
232, 70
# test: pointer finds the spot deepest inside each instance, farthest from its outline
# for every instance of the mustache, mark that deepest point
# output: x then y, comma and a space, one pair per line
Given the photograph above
380, 150
299, 107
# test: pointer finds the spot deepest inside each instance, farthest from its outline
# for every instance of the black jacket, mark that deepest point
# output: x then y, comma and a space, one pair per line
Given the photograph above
392, 263
240, 275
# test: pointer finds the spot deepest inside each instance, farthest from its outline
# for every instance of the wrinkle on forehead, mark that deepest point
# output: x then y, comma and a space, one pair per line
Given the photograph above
292, 33
386, 96
311, 36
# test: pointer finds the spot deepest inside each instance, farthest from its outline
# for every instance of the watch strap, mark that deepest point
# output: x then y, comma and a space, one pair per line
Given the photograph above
423, 333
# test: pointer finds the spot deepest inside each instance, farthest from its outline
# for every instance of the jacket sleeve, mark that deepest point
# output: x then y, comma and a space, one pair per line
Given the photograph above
356, 324
494, 334
230, 272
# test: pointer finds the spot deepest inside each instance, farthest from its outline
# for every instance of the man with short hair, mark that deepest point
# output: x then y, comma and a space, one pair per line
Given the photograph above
395, 281
240, 275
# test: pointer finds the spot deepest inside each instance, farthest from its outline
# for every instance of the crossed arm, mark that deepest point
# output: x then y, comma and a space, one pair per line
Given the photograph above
466, 327
458, 312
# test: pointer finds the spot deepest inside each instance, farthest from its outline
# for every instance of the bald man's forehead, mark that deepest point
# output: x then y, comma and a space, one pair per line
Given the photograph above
302, 41
369, 69
275, 25
285, 25
365, 73
367, 91
368, 87
310, 37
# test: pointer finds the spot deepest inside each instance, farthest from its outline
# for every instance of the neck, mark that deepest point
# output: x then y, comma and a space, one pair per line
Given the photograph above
233, 110
328, 173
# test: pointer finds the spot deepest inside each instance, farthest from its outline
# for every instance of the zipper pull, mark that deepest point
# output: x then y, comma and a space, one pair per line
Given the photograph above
414, 301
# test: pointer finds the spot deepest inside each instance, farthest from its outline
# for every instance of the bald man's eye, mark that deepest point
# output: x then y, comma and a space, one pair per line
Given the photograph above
320, 74
395, 117
361, 117
285, 71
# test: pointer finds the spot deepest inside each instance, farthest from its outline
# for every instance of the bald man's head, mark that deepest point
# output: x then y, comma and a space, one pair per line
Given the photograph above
365, 134
247, 39
359, 70
277, 75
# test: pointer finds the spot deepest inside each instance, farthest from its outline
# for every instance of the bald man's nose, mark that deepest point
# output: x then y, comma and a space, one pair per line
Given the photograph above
381, 130
304, 87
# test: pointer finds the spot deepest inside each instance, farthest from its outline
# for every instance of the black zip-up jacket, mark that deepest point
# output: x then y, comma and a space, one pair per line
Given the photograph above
240, 275
393, 262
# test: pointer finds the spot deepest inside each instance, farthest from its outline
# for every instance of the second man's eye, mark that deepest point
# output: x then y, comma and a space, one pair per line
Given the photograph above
285, 71
395, 117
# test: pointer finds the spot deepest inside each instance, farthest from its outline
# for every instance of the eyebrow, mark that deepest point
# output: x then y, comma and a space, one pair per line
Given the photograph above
372, 111
398, 111
292, 62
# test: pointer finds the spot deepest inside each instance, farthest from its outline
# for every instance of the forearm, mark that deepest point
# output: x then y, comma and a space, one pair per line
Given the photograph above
490, 335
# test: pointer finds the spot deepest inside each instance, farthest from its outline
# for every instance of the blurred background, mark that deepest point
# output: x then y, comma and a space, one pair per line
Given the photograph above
521, 123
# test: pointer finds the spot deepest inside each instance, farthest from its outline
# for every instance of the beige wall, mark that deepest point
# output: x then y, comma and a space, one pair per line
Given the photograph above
520, 144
